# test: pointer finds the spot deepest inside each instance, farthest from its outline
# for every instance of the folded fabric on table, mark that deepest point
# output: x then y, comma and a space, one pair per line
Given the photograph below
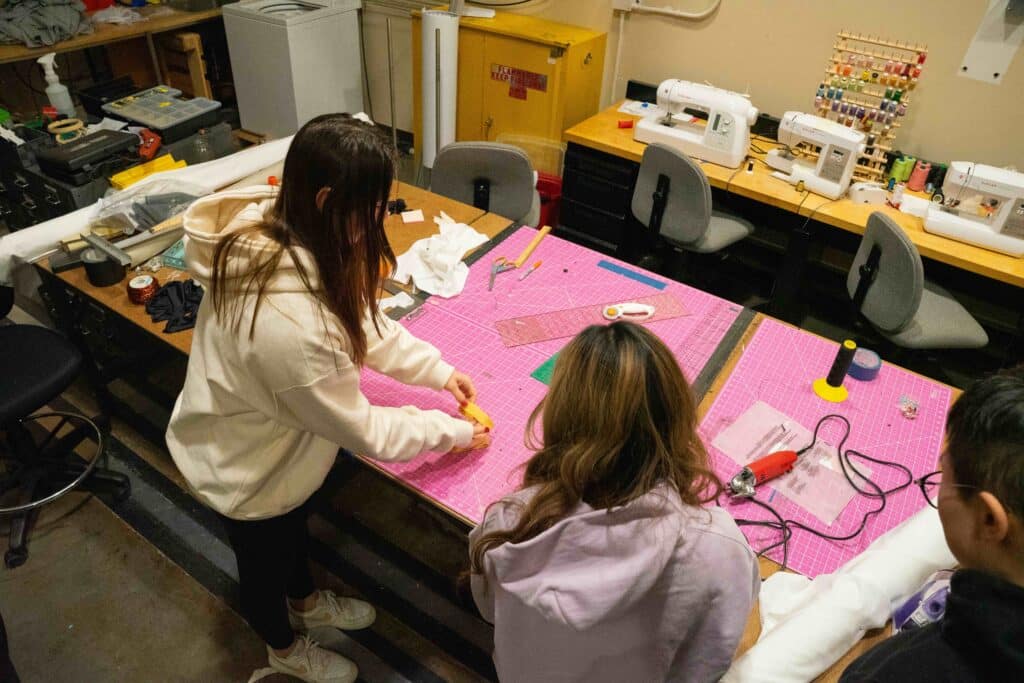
178, 304
36, 23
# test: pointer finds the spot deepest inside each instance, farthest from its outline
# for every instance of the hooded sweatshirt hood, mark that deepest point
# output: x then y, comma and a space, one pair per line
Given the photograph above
594, 564
209, 219
653, 590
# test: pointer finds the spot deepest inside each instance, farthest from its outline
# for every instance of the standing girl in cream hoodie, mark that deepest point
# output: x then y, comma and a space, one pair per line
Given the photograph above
289, 318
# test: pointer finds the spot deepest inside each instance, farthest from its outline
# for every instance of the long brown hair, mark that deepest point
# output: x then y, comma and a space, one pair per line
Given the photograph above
618, 420
345, 237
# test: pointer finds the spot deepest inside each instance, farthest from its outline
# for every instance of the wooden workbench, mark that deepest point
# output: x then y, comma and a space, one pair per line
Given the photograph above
601, 132
104, 34
401, 235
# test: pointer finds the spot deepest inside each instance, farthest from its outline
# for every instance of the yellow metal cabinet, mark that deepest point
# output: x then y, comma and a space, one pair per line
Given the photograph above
519, 74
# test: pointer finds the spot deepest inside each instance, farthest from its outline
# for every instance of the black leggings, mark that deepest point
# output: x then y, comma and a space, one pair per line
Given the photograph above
272, 564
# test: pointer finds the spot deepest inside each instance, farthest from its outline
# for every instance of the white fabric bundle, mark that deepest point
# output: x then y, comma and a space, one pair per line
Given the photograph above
806, 626
435, 263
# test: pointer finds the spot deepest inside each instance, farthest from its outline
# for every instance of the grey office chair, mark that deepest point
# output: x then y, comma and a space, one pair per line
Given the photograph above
673, 199
886, 283
489, 175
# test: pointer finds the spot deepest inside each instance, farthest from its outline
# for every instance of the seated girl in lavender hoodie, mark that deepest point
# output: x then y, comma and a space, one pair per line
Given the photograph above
604, 566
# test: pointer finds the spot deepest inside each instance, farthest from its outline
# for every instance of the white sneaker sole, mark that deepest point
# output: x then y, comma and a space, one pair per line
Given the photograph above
301, 625
283, 668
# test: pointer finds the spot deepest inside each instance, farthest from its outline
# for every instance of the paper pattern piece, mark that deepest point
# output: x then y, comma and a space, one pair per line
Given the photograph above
816, 482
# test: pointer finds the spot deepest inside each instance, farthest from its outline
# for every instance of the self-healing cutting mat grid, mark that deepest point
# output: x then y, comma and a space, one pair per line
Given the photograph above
464, 329
778, 367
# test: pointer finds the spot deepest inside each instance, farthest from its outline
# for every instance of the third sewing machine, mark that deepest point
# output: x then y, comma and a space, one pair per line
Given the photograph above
981, 205
840, 148
701, 121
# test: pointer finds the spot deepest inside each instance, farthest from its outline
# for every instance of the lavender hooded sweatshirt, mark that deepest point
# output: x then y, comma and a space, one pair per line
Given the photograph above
653, 591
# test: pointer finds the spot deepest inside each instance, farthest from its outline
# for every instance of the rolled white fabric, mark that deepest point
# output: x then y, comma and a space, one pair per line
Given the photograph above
439, 29
806, 626
24, 246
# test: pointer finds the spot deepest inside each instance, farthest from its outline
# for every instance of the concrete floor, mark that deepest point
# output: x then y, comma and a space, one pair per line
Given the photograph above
97, 602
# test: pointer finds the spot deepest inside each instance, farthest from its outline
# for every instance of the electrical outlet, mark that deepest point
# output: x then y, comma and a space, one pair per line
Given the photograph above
623, 5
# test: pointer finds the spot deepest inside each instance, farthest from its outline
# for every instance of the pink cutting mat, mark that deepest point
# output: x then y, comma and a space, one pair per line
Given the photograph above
572, 321
464, 329
570, 278
778, 367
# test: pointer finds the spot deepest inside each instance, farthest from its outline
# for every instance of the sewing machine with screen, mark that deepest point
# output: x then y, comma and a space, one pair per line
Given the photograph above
702, 121
838, 148
981, 205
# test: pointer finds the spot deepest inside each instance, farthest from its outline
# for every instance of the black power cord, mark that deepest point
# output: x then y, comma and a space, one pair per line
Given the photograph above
787, 527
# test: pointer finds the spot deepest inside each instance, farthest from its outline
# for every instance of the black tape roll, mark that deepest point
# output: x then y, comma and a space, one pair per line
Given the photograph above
841, 364
101, 270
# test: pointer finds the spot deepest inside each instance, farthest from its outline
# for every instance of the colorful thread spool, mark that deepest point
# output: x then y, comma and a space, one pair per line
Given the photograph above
831, 386
919, 176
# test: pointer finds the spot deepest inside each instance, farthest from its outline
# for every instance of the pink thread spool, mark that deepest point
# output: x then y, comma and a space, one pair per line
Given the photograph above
919, 177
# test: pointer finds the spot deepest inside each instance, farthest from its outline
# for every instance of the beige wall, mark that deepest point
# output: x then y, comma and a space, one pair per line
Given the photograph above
776, 51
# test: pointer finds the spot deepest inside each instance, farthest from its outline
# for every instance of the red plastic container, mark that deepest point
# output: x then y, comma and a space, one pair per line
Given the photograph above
549, 187
93, 5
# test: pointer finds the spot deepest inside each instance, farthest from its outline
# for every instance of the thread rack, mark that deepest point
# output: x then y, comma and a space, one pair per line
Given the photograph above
867, 85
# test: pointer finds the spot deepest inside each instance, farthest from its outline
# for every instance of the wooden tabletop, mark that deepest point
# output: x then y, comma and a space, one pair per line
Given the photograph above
111, 33
769, 567
601, 132
401, 236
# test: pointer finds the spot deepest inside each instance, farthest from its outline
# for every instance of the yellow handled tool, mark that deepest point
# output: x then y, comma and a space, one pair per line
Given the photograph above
531, 246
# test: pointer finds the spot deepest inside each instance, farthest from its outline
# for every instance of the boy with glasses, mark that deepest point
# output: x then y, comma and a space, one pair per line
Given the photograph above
979, 492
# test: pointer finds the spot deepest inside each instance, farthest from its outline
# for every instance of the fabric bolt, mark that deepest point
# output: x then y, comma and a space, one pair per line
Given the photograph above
654, 590
37, 23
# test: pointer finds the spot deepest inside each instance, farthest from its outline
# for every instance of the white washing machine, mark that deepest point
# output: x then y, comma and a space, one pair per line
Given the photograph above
293, 60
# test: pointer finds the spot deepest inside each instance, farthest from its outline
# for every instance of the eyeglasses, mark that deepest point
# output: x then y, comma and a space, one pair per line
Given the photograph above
929, 484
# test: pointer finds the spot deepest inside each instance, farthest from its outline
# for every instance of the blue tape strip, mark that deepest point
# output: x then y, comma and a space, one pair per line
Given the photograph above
631, 274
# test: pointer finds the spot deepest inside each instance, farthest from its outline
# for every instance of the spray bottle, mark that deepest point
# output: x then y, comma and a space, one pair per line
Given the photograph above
59, 96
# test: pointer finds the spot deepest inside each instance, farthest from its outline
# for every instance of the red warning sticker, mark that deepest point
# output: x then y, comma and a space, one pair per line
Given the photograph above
519, 80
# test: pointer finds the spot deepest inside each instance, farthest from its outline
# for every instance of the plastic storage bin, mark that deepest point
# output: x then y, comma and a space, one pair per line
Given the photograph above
549, 188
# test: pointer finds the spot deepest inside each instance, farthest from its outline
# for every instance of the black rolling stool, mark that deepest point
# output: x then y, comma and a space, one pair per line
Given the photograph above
36, 365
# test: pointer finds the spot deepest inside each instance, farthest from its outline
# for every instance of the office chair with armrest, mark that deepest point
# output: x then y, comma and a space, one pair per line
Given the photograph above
491, 176
887, 286
36, 366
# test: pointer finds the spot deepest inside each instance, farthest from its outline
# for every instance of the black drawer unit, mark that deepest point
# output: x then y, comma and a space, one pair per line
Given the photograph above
61, 197
597, 190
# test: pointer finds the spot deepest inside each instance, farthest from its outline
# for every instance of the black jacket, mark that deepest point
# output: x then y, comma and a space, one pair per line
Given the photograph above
981, 638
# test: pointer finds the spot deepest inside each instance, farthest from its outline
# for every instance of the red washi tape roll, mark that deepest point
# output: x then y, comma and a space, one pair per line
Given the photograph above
142, 288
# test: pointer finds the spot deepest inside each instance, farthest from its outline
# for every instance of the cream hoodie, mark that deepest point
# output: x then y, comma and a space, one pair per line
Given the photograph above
259, 421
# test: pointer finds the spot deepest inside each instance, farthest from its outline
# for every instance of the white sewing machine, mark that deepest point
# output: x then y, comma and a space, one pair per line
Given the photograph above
840, 147
982, 205
702, 121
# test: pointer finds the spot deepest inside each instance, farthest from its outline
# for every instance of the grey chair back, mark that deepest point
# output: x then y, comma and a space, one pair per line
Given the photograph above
894, 297
688, 211
507, 168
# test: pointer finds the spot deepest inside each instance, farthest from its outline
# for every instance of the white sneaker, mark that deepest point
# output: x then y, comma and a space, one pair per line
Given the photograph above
344, 613
311, 663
